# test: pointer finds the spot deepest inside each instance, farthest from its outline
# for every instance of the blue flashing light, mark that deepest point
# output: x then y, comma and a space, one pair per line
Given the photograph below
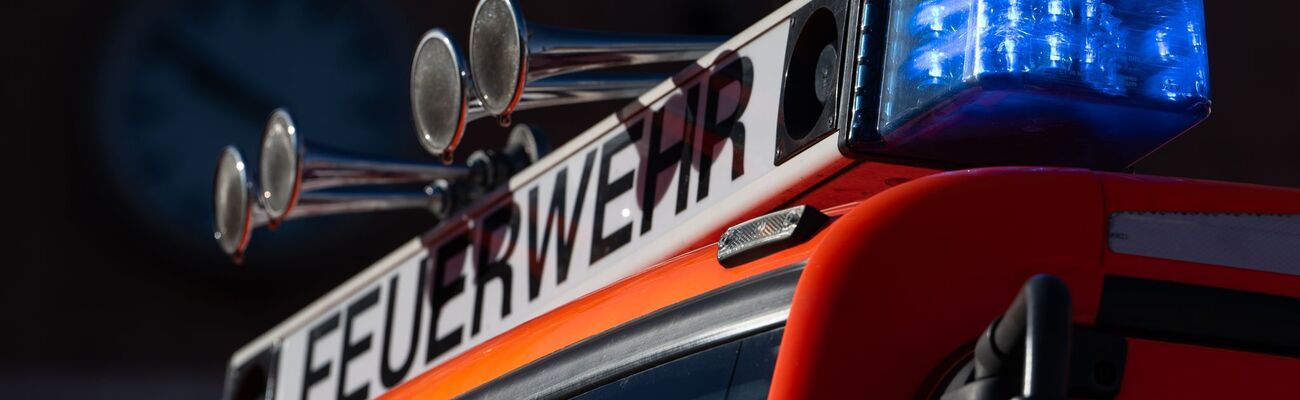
1112, 78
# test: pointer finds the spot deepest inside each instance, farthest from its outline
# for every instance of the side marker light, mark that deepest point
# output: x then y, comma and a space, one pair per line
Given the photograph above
767, 234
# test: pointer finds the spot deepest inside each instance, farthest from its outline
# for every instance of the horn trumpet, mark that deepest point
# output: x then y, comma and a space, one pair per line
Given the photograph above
445, 97
287, 169
237, 211
292, 182
507, 53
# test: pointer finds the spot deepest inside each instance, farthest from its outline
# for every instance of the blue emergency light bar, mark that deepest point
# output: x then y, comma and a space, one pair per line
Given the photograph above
1092, 83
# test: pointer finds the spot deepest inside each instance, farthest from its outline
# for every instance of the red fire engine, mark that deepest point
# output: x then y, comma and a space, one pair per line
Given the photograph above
823, 206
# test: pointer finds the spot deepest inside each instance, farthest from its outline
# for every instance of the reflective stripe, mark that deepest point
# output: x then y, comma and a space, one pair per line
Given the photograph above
1260, 242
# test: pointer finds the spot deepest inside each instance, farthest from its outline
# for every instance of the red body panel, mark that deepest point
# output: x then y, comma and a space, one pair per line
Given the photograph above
1160, 370
913, 275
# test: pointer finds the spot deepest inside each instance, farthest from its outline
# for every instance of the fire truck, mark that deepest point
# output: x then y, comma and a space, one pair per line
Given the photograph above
906, 199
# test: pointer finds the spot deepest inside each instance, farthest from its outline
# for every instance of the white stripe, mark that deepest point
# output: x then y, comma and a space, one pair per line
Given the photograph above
1260, 242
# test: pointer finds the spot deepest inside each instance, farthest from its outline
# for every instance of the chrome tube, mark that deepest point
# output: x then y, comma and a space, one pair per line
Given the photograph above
237, 212
445, 98
556, 51
507, 53
579, 88
321, 204
287, 169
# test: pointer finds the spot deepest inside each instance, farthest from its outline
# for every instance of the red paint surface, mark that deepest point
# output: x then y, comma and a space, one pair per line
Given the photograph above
913, 275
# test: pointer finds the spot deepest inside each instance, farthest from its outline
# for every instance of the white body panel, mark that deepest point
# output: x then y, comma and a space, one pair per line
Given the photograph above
500, 234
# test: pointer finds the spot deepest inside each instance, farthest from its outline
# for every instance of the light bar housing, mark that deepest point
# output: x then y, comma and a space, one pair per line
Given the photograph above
1088, 83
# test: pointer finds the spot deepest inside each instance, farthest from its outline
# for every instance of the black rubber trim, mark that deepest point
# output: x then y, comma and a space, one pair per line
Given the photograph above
1201, 315
719, 316
255, 378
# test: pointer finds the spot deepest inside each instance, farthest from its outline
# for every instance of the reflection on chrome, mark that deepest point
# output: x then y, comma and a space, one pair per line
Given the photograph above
237, 213
507, 53
288, 169
445, 97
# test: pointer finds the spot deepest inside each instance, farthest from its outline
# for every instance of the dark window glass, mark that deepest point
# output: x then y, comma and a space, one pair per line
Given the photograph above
740, 370
699, 376
754, 366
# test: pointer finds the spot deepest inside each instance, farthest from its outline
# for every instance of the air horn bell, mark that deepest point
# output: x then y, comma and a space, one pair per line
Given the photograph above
507, 54
233, 205
444, 97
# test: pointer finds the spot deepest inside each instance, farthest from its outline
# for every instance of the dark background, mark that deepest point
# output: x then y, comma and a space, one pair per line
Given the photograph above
97, 305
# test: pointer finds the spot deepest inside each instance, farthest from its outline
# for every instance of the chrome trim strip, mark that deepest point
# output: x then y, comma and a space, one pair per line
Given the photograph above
719, 316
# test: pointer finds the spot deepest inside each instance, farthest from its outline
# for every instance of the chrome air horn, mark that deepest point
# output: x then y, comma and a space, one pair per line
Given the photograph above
233, 205
444, 97
507, 54
237, 212
292, 181
287, 169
